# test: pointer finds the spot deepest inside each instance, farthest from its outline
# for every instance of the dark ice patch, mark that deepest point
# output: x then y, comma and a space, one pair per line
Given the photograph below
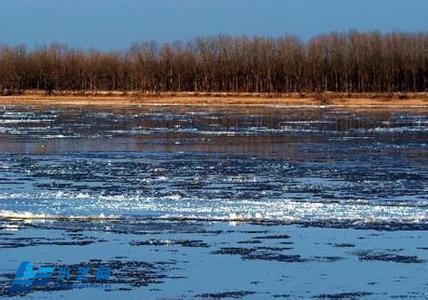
184, 243
261, 253
352, 295
389, 257
222, 295
273, 237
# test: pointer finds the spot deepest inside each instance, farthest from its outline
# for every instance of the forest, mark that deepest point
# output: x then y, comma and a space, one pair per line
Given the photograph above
351, 62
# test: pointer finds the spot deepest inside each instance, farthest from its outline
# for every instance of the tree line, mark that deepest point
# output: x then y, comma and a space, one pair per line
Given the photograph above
349, 62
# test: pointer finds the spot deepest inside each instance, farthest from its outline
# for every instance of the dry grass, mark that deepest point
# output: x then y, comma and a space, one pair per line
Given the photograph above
216, 99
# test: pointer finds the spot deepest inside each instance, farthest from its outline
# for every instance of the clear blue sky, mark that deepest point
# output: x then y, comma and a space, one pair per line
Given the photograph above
114, 24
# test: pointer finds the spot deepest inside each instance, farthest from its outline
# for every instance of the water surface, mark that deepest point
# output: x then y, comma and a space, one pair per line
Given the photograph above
276, 164
224, 203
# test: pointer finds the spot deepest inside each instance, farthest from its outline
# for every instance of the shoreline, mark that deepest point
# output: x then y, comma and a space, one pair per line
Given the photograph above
120, 99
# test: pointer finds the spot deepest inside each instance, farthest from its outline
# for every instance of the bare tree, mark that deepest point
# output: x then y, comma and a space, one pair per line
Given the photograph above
342, 62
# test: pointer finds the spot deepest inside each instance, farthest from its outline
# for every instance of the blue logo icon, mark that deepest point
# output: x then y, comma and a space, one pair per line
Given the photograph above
26, 277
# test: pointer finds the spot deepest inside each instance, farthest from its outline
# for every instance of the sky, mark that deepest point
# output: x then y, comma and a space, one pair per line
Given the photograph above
115, 24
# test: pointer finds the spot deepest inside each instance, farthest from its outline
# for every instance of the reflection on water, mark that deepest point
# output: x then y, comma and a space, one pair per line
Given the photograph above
284, 164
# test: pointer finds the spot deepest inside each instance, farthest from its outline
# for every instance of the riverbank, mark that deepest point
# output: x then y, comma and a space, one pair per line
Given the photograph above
218, 99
